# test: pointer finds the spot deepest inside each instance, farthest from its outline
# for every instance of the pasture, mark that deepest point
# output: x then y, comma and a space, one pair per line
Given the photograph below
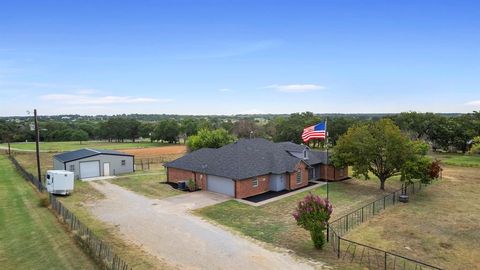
30, 236
440, 226
73, 145
458, 159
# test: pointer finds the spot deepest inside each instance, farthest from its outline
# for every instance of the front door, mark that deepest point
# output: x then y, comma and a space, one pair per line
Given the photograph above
106, 169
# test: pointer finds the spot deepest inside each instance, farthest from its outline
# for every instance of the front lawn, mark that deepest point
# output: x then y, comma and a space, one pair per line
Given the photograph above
440, 226
150, 183
273, 222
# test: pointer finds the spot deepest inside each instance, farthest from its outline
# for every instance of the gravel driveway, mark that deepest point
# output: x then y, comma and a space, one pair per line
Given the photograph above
166, 229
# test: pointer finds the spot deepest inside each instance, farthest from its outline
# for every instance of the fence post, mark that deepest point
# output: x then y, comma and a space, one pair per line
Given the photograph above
338, 246
384, 202
328, 232
346, 228
393, 199
385, 261
373, 210
362, 213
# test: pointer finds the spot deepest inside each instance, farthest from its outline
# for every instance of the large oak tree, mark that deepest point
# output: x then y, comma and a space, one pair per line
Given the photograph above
380, 148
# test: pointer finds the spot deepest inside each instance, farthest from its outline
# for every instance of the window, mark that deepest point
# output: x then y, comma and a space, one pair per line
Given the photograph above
123, 162
72, 167
255, 182
299, 176
341, 171
305, 156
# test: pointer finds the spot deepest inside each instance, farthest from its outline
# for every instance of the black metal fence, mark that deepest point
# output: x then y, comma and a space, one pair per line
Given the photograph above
365, 255
351, 220
98, 249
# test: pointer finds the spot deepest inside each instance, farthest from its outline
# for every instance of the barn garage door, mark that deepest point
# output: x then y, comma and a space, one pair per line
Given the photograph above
221, 185
89, 169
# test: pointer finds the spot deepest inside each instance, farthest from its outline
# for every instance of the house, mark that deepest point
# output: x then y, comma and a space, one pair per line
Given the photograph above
88, 163
250, 167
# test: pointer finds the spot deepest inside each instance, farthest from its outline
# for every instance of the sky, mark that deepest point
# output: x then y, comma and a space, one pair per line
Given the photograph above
238, 57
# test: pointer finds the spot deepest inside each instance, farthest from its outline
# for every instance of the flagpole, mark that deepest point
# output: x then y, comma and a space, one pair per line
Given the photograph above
326, 144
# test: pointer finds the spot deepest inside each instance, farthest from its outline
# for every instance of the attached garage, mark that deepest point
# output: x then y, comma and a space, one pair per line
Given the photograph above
221, 185
89, 169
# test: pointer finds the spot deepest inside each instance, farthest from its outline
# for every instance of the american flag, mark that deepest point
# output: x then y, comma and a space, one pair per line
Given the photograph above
318, 131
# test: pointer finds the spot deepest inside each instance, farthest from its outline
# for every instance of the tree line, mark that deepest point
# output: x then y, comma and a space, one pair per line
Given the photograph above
441, 131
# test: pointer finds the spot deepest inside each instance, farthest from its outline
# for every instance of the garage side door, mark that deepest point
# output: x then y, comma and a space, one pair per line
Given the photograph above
221, 185
89, 169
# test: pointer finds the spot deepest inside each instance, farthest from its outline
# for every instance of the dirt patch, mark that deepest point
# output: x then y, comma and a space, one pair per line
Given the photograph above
156, 152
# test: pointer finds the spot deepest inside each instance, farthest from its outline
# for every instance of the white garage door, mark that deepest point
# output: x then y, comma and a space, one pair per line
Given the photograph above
221, 185
89, 169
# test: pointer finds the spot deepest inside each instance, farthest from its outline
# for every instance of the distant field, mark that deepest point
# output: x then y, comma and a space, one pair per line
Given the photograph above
68, 146
440, 226
458, 159
30, 236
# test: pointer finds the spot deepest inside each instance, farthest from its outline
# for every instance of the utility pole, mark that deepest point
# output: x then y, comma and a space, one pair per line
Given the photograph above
37, 139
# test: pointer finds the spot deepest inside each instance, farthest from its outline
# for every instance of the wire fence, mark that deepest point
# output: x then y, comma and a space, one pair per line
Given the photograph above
351, 220
365, 255
98, 249
147, 163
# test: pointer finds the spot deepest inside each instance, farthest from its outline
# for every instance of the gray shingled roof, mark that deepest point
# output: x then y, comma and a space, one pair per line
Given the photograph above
243, 159
86, 152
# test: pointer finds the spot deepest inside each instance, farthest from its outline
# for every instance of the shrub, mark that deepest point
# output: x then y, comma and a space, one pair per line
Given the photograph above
312, 214
43, 201
191, 185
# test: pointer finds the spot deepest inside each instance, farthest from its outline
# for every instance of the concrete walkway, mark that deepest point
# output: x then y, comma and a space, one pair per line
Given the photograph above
167, 229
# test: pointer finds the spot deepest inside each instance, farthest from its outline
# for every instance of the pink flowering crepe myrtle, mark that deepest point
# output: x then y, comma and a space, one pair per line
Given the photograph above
312, 214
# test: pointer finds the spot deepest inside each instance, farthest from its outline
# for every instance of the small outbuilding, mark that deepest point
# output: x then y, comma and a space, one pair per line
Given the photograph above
88, 163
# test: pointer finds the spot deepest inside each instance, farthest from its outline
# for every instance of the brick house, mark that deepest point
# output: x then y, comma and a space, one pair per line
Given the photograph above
250, 167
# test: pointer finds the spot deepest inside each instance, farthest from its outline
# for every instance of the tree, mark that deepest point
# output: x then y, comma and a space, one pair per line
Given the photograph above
377, 147
167, 130
79, 135
475, 150
209, 139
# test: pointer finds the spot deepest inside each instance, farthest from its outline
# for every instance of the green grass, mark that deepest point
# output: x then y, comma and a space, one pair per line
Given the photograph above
149, 183
458, 159
439, 226
274, 224
30, 235
68, 146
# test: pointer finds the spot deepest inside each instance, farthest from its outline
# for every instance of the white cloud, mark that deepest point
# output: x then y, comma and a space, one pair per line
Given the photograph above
473, 103
225, 90
85, 91
295, 88
86, 99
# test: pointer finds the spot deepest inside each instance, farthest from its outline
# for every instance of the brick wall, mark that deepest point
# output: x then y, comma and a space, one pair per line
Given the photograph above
244, 188
201, 180
174, 175
333, 174
292, 177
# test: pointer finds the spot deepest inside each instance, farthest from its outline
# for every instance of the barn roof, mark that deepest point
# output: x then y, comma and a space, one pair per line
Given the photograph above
246, 158
85, 153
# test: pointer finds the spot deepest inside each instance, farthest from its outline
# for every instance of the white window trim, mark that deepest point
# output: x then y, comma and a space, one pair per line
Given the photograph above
296, 175
255, 182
